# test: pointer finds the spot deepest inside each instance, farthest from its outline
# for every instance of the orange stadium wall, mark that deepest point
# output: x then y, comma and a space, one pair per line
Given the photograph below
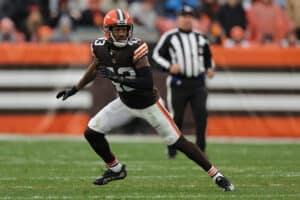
255, 92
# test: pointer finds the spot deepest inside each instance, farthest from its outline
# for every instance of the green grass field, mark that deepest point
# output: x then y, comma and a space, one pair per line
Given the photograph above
63, 169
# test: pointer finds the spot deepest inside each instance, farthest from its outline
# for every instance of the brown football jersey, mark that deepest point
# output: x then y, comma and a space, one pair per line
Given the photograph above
122, 62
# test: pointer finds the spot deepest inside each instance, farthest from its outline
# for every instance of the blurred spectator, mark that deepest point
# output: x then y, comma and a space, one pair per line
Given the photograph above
172, 7
63, 32
76, 7
237, 38
281, 3
33, 21
208, 24
293, 8
203, 24
107, 5
8, 8
92, 16
18, 11
164, 24
62, 11
44, 34
158, 6
232, 14
8, 32
268, 22
267, 40
210, 8
54, 8
291, 40
247, 4
144, 18
216, 35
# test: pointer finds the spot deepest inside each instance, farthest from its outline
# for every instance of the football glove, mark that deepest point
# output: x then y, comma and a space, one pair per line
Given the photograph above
106, 73
66, 93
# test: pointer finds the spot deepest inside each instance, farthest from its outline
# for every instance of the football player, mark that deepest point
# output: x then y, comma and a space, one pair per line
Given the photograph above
122, 58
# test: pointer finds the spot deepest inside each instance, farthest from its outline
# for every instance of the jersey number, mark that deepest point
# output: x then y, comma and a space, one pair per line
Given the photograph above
127, 72
99, 42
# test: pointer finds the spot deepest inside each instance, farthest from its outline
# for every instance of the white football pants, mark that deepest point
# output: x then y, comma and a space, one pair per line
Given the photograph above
116, 114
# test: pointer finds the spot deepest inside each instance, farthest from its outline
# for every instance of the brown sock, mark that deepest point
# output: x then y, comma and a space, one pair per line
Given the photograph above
193, 152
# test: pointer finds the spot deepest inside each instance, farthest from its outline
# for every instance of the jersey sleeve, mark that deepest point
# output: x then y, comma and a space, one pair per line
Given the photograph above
96, 44
93, 49
208, 61
140, 51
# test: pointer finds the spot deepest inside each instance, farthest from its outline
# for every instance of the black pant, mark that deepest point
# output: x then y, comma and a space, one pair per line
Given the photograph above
183, 91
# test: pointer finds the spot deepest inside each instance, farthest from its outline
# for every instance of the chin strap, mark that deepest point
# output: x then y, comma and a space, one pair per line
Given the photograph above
116, 43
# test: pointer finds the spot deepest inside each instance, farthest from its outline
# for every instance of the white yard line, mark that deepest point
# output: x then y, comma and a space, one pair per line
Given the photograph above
148, 138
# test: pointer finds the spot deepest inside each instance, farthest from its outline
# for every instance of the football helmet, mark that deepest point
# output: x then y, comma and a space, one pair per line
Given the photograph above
114, 18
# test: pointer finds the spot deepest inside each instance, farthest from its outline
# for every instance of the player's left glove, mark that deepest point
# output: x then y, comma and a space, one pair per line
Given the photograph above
106, 73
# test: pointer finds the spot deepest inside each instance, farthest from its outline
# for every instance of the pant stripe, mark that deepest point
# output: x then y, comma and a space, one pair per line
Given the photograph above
169, 118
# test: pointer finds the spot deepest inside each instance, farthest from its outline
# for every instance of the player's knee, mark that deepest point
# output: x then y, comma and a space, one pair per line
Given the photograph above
98, 125
171, 139
180, 142
90, 134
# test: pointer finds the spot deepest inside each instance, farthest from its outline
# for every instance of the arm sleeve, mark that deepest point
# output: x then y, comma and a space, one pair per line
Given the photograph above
92, 49
143, 80
161, 54
207, 56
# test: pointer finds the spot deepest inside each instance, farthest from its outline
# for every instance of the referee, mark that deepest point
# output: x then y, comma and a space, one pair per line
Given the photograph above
186, 55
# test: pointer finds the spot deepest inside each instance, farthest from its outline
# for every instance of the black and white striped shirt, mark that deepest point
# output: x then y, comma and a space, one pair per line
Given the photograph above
188, 49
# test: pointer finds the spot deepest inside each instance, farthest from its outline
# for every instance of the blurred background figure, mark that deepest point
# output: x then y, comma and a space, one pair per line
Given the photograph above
263, 21
164, 24
44, 34
268, 22
237, 38
216, 34
63, 31
232, 14
293, 8
186, 56
61, 9
281, 3
8, 32
107, 5
144, 18
208, 21
291, 40
92, 15
33, 22
172, 7
210, 8
168, 13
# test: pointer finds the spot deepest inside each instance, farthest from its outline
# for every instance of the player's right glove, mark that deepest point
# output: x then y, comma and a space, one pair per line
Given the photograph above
106, 73
66, 93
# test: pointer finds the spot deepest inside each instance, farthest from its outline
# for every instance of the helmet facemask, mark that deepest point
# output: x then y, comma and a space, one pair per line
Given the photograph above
120, 43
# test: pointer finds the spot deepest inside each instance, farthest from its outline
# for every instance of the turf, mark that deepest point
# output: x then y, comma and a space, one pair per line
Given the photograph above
65, 170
